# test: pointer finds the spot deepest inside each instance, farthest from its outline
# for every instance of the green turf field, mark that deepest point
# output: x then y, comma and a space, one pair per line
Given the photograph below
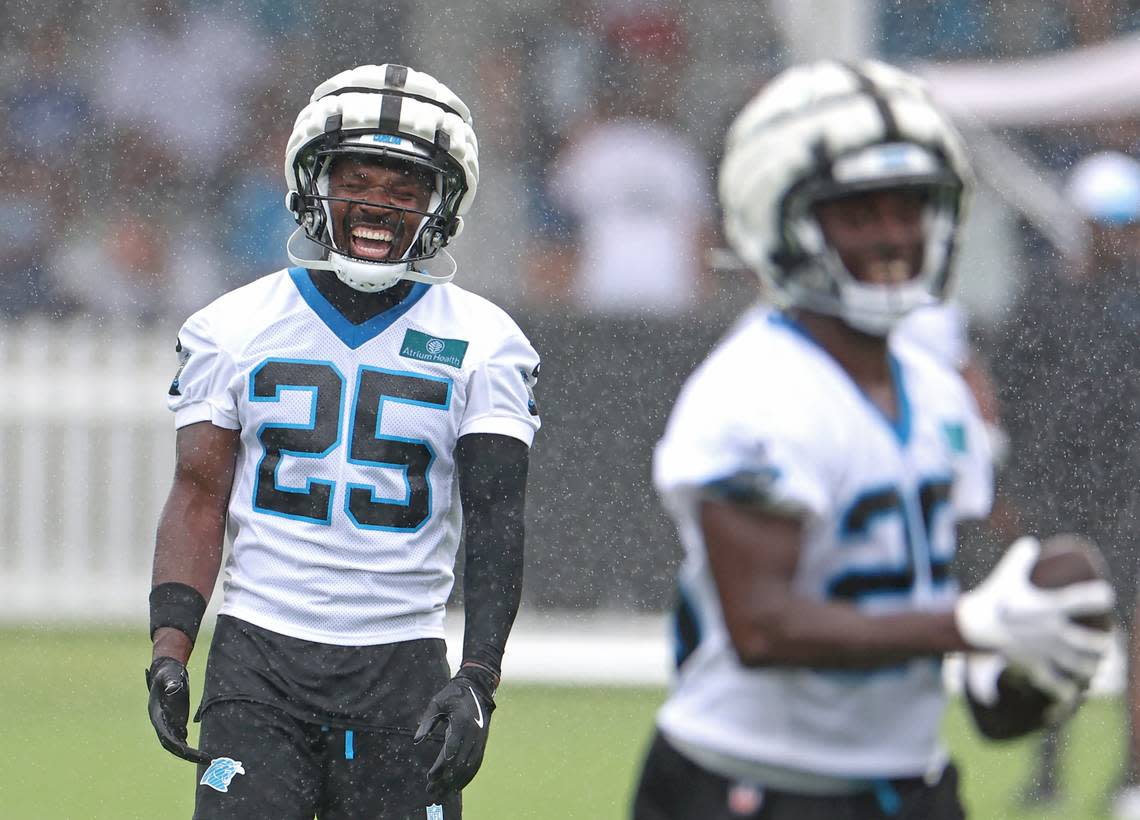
77, 744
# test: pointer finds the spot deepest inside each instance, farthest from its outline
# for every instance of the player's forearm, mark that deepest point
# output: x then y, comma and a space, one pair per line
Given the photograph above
804, 632
192, 525
171, 643
492, 578
492, 591
188, 546
188, 551
492, 472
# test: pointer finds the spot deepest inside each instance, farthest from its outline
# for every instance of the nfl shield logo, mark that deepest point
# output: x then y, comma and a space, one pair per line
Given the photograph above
435, 812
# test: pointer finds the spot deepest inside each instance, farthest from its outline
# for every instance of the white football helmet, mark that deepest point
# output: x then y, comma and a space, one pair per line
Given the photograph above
392, 113
826, 130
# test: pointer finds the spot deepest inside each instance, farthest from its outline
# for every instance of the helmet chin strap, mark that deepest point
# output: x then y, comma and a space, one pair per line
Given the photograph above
366, 277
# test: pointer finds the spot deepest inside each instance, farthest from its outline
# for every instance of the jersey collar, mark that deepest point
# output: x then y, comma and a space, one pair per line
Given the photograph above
352, 335
899, 426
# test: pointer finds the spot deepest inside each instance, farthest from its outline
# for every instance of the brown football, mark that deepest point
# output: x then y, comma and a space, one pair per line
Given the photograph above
1065, 559
1021, 707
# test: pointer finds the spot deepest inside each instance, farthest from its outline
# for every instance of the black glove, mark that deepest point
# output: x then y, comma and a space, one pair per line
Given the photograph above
169, 707
465, 704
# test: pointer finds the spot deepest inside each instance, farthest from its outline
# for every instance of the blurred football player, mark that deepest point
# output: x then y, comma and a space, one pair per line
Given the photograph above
816, 473
345, 421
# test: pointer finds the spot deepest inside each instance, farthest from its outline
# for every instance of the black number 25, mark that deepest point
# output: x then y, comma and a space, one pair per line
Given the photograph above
321, 434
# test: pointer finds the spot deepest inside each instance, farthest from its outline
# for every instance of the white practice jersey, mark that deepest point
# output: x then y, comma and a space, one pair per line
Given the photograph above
345, 516
939, 329
771, 415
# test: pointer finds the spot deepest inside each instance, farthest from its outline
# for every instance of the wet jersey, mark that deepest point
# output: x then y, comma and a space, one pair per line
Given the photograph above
344, 516
771, 418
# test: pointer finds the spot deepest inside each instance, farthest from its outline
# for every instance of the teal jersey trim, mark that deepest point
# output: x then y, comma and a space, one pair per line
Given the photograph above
353, 335
900, 425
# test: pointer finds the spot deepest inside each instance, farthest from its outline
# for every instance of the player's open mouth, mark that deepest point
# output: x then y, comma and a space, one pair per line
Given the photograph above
371, 242
889, 271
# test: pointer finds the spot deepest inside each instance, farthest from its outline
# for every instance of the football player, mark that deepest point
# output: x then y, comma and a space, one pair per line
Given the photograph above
345, 421
816, 474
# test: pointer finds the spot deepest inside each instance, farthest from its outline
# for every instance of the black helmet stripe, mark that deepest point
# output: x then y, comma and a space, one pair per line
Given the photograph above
868, 87
395, 76
390, 106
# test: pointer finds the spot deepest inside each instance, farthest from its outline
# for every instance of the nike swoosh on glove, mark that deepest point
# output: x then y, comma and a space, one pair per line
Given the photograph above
169, 707
464, 705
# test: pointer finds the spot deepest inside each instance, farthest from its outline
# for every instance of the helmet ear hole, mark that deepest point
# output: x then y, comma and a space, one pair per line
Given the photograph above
787, 259
433, 240
315, 220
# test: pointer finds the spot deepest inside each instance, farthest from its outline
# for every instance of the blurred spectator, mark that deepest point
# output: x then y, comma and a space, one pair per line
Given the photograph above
634, 188
279, 21
46, 124
972, 29
25, 220
564, 58
142, 256
955, 30
254, 222
344, 33
50, 115
1071, 396
180, 74
558, 77
640, 196
135, 268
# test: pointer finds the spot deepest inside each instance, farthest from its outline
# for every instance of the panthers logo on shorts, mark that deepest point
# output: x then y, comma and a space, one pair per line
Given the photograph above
221, 771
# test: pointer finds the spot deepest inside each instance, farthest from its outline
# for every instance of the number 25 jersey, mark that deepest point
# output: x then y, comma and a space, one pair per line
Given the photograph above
344, 515
771, 418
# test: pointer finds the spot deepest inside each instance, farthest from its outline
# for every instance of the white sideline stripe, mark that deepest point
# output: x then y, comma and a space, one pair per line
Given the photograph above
610, 649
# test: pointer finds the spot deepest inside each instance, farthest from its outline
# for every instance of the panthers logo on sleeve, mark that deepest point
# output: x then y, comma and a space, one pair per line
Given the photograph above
183, 357
753, 487
530, 379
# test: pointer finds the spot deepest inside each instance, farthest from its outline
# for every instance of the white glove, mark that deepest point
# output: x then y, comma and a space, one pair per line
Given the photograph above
1033, 627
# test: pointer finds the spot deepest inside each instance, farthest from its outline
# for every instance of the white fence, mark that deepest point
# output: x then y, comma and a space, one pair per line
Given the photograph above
86, 458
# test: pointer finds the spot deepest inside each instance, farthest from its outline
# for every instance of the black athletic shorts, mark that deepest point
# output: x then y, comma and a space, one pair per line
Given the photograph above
386, 686
317, 729
672, 787
292, 770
